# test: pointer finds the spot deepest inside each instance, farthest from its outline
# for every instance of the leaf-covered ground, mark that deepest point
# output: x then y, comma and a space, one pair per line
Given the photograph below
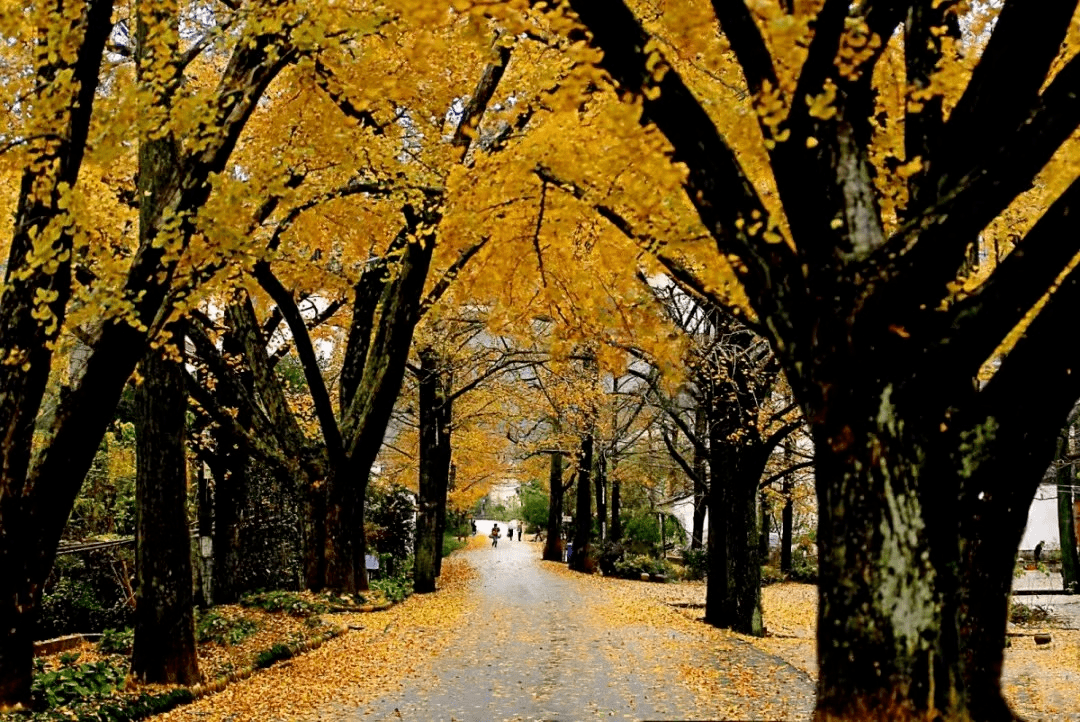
510, 637
1040, 681
545, 643
372, 656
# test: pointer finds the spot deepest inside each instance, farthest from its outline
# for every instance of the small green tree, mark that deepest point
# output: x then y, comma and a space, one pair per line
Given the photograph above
534, 505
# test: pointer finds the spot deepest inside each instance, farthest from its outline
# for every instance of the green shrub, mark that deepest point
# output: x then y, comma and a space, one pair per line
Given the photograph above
69, 684
451, 544
84, 593
117, 641
804, 566
398, 586
1023, 614
697, 563
282, 601
771, 575
610, 554
632, 567
389, 520
211, 626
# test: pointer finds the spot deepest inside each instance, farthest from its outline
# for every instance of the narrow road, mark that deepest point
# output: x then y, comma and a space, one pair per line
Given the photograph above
542, 644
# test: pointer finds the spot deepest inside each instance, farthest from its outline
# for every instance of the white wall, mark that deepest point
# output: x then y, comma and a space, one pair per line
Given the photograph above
1042, 523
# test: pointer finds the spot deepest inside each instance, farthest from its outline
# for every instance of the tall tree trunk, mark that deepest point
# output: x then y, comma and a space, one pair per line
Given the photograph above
164, 650
432, 481
763, 528
364, 422
446, 468
205, 504
601, 493
553, 546
230, 488
230, 500
786, 521
884, 584
580, 558
340, 550
701, 466
744, 555
733, 584
615, 533
1066, 498
717, 612
788, 515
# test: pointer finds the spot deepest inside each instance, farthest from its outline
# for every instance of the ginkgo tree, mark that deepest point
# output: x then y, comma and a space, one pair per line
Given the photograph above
72, 119
867, 148
738, 418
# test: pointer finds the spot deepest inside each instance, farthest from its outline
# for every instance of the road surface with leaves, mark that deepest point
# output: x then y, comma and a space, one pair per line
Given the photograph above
543, 643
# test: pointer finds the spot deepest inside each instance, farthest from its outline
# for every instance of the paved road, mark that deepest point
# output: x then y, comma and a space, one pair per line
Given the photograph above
539, 648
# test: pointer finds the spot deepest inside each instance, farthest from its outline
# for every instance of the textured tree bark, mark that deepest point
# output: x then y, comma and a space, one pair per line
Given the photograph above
580, 557
744, 554
164, 651
18, 608
787, 520
553, 546
428, 540
701, 467
1066, 480
445, 466
601, 493
717, 582
230, 499
887, 578
763, 528
615, 532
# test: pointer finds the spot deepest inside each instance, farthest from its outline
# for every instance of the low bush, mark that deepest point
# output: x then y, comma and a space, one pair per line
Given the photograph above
117, 641
1023, 614
771, 575
632, 567
450, 544
610, 554
696, 562
283, 601
86, 593
70, 683
804, 566
212, 626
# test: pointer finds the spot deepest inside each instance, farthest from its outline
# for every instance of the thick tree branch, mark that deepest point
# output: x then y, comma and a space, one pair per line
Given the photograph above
309, 361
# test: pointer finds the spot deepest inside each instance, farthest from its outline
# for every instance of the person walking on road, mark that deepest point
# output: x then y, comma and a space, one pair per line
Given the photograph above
519, 533
495, 536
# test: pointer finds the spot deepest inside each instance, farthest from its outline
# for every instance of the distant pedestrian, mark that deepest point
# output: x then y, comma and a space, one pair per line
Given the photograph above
474, 527
1038, 552
569, 551
519, 533
510, 533
495, 536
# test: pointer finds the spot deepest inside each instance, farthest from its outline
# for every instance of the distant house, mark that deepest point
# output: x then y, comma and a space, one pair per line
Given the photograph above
1042, 522
682, 508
